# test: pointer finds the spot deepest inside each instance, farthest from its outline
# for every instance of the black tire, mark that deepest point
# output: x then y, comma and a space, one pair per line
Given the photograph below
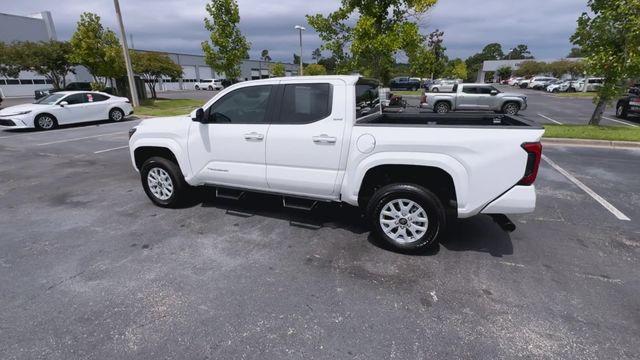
45, 122
197, 87
210, 88
116, 115
435, 90
429, 202
181, 189
442, 107
511, 108
621, 111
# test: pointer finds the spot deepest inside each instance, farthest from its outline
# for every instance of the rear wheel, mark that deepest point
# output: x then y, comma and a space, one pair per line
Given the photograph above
197, 87
621, 111
435, 90
116, 115
406, 216
210, 88
442, 107
45, 122
163, 182
511, 108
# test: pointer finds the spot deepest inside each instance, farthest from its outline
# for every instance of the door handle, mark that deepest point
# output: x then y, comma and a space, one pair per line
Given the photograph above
324, 139
253, 136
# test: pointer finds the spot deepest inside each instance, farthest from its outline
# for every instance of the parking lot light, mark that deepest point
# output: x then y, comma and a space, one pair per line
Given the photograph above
300, 29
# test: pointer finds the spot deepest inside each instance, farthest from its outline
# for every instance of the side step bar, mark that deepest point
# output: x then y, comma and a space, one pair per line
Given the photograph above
298, 203
229, 193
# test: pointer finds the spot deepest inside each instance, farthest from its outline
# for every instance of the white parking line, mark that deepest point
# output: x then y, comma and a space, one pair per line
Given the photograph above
620, 121
81, 138
58, 131
612, 209
550, 119
115, 148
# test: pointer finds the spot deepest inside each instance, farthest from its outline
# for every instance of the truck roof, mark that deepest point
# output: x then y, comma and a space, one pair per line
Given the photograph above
348, 79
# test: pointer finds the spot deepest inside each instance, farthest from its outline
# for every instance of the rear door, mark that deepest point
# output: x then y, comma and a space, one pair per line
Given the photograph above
96, 107
467, 98
304, 142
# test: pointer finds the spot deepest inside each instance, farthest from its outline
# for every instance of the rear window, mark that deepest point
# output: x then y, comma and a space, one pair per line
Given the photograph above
367, 97
305, 103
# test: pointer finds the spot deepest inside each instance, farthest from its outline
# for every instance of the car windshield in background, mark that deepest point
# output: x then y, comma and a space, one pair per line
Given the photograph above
50, 99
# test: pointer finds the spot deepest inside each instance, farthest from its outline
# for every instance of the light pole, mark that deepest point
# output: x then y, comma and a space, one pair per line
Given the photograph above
301, 29
127, 58
510, 52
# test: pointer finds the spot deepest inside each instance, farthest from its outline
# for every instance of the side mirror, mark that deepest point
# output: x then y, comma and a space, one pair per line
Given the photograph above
63, 103
494, 93
198, 116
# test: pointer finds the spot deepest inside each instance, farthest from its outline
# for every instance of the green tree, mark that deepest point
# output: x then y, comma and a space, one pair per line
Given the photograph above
456, 69
10, 62
329, 63
316, 55
382, 29
227, 46
504, 72
530, 68
49, 59
296, 59
435, 41
576, 52
576, 69
98, 49
474, 62
519, 52
560, 68
278, 70
422, 63
153, 66
315, 69
610, 36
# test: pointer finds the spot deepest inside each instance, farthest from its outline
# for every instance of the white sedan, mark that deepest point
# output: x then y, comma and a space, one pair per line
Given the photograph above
65, 107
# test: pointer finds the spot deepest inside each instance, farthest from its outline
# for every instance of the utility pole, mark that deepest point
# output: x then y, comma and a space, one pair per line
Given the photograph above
301, 29
127, 58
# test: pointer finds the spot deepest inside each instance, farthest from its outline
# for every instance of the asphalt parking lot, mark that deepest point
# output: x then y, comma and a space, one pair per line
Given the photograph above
92, 270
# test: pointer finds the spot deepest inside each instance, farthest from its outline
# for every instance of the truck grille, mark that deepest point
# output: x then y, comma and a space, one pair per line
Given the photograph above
7, 122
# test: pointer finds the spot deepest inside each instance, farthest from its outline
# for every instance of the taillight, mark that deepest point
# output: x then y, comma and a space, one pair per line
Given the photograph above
534, 152
423, 99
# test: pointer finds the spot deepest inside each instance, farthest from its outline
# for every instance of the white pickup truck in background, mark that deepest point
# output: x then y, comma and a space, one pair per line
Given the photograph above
324, 138
474, 97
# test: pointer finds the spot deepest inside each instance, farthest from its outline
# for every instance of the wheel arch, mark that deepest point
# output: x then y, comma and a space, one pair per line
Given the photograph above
35, 118
143, 149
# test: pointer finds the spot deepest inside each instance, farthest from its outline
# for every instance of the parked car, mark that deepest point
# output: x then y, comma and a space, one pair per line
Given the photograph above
593, 84
564, 86
74, 86
523, 84
306, 141
208, 84
443, 86
629, 104
475, 97
66, 107
513, 80
540, 82
404, 83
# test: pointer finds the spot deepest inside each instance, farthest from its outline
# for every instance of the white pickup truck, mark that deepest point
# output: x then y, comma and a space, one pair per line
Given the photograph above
324, 138
474, 97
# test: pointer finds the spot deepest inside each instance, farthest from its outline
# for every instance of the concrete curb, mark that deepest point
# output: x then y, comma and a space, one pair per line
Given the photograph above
592, 143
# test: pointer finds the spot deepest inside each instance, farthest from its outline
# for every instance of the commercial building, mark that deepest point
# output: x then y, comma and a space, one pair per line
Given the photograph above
40, 27
494, 65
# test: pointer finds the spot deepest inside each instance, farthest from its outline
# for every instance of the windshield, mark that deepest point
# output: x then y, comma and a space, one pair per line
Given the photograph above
50, 99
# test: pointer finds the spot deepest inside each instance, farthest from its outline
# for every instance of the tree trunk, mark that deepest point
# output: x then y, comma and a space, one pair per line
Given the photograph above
597, 113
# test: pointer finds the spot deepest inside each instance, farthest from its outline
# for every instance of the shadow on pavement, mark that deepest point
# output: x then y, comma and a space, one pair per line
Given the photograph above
479, 234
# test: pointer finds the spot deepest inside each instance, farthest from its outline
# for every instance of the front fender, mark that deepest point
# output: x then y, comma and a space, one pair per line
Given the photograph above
166, 143
353, 181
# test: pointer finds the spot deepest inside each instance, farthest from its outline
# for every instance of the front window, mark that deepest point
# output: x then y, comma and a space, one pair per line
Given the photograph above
49, 99
246, 105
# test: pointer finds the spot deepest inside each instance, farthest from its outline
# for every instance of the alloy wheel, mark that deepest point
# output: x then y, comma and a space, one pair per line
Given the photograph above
160, 183
404, 221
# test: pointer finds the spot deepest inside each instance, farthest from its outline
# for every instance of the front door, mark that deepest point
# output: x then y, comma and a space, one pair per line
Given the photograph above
229, 149
304, 142
74, 111
485, 99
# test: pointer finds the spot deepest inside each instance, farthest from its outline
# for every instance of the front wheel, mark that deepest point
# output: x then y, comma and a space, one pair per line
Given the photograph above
45, 122
406, 216
511, 108
163, 182
197, 87
621, 111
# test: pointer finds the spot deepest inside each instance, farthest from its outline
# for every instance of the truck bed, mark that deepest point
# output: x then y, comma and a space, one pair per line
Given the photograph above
448, 120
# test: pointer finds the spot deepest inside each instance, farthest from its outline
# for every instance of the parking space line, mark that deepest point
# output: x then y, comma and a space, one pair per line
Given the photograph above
612, 209
81, 138
550, 119
58, 131
620, 121
106, 150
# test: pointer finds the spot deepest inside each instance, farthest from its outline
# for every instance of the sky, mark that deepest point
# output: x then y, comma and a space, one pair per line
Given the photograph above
177, 25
